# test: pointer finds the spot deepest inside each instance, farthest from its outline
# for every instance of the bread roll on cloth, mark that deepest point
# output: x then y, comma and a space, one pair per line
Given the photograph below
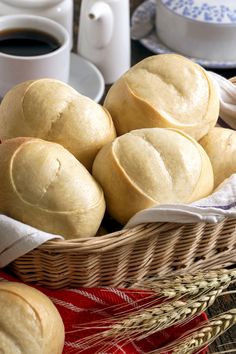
54, 111
29, 321
220, 145
151, 166
165, 91
43, 185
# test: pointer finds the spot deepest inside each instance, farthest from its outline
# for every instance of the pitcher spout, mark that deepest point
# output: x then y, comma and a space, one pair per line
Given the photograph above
100, 24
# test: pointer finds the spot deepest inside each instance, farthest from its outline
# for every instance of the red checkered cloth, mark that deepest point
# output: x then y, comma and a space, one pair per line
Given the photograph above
83, 305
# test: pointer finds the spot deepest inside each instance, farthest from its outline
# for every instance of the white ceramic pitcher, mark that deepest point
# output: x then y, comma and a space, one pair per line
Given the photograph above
60, 11
104, 36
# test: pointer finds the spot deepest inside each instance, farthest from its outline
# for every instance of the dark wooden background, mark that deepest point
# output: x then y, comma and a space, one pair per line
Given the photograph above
138, 52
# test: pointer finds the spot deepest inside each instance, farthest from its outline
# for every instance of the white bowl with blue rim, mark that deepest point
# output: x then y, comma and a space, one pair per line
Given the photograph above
198, 28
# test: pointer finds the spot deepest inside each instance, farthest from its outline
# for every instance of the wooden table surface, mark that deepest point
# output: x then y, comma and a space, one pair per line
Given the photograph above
226, 342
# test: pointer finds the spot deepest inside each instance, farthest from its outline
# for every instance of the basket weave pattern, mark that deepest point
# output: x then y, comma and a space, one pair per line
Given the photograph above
113, 259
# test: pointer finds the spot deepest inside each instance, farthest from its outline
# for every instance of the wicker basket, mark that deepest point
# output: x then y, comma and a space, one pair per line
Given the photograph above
111, 260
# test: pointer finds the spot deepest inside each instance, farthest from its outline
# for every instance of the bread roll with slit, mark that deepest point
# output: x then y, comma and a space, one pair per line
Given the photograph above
151, 166
43, 185
220, 146
54, 111
29, 321
165, 91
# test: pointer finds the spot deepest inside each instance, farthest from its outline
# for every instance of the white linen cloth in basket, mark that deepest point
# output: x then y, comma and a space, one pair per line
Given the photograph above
17, 239
220, 204
227, 94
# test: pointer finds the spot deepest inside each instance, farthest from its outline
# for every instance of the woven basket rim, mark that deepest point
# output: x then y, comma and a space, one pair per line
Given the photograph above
109, 260
118, 238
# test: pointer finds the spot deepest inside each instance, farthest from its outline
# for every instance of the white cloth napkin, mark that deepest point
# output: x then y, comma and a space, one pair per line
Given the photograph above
17, 239
220, 204
227, 94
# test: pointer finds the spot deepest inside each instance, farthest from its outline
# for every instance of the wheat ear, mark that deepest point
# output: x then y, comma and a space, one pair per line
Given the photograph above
146, 322
157, 318
207, 333
188, 284
183, 285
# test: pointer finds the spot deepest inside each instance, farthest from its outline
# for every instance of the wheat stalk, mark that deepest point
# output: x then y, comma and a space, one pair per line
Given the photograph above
205, 334
188, 284
183, 285
146, 322
164, 315
141, 323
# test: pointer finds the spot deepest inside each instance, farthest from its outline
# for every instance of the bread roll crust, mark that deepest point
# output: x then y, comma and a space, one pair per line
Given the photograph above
166, 91
151, 166
43, 185
53, 111
29, 321
220, 145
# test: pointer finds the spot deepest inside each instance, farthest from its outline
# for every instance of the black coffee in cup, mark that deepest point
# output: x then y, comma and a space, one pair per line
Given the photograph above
27, 42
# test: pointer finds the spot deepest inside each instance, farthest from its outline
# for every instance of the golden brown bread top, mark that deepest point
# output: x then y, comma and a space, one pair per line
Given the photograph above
42, 184
173, 85
220, 145
151, 166
146, 156
29, 321
39, 168
165, 91
51, 110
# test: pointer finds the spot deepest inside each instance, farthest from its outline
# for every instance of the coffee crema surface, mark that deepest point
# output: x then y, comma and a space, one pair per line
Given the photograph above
27, 42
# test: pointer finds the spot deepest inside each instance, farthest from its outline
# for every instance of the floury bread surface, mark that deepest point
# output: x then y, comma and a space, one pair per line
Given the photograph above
29, 321
151, 166
43, 185
165, 91
53, 111
220, 146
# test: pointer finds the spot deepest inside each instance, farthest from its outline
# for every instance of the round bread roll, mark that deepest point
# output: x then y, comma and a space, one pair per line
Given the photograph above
151, 166
220, 146
54, 111
29, 321
165, 91
43, 185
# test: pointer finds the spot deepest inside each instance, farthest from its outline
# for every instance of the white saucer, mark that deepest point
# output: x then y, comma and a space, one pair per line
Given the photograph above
86, 78
144, 16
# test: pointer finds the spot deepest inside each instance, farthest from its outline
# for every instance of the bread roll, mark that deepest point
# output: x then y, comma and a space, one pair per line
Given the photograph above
151, 166
43, 185
220, 145
29, 321
164, 91
53, 111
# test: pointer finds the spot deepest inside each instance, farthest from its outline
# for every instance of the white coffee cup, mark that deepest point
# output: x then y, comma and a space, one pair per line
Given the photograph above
60, 11
16, 68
